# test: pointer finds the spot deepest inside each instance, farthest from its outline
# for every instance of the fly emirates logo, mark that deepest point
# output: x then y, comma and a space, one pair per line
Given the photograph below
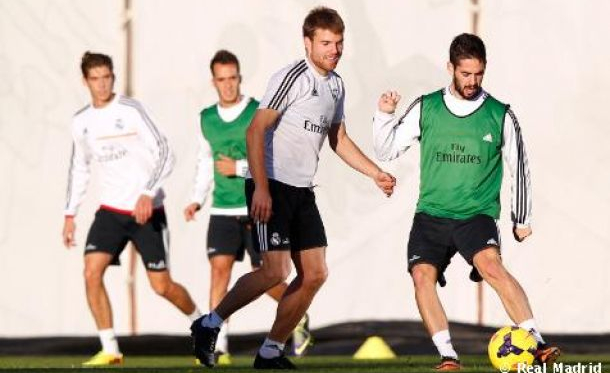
321, 128
457, 154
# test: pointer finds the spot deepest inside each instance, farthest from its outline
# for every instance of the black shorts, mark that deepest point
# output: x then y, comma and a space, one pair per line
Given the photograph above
111, 231
435, 241
231, 235
295, 222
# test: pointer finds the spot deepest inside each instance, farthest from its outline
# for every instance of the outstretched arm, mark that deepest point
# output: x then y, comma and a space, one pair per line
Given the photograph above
351, 154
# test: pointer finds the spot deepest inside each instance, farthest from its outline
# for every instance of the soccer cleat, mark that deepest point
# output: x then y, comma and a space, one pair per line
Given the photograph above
222, 358
301, 337
546, 354
103, 358
204, 342
448, 364
280, 362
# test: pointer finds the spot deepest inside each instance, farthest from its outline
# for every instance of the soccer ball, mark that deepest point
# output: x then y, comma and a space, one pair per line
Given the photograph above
510, 346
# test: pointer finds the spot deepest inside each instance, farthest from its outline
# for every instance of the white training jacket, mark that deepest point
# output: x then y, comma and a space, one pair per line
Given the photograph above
393, 135
133, 156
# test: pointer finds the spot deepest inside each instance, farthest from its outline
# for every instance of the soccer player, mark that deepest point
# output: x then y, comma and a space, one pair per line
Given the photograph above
303, 104
464, 133
222, 159
134, 159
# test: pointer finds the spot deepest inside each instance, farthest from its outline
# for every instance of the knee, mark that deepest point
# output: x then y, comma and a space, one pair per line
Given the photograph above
162, 287
276, 275
93, 276
493, 271
219, 273
315, 279
490, 267
424, 276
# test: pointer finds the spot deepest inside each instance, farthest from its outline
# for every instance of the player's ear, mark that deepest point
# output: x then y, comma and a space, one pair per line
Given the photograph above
308, 42
450, 68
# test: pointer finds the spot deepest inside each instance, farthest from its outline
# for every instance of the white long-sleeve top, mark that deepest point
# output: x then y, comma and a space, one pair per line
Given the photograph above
393, 135
133, 155
204, 176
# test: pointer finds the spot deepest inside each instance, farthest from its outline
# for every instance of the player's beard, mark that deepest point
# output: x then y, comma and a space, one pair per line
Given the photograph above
324, 62
476, 89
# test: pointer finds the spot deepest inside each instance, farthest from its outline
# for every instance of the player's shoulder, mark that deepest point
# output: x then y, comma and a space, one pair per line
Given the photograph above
291, 71
79, 119
503, 109
436, 93
82, 116
208, 109
82, 111
131, 107
129, 102
488, 96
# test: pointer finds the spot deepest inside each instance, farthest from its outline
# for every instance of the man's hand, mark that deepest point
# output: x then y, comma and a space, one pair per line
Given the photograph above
225, 165
191, 210
68, 232
143, 210
521, 234
386, 182
388, 102
261, 205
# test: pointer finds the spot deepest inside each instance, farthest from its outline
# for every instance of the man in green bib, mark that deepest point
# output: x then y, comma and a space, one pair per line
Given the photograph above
222, 162
464, 133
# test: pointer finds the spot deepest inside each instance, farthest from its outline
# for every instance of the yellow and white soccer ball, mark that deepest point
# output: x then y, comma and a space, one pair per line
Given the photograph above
511, 346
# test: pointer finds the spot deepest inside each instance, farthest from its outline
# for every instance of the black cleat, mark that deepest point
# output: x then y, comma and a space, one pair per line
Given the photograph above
280, 362
204, 342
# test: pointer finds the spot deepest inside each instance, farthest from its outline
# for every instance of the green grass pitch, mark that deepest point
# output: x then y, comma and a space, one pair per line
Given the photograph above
242, 364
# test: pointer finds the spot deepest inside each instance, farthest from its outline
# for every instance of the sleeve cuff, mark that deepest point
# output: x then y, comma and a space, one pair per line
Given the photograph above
200, 201
383, 116
241, 167
150, 193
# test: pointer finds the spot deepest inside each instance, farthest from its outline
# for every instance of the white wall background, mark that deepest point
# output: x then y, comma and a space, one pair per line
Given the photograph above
548, 59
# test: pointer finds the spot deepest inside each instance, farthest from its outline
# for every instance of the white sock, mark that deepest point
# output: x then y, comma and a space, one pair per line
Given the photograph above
109, 343
530, 326
222, 343
442, 341
211, 320
271, 349
195, 315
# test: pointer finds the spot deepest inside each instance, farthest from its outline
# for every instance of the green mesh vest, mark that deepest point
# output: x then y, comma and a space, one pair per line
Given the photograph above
461, 159
227, 138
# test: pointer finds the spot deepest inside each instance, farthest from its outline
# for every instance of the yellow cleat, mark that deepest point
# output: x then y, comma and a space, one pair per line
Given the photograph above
301, 337
223, 359
102, 358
